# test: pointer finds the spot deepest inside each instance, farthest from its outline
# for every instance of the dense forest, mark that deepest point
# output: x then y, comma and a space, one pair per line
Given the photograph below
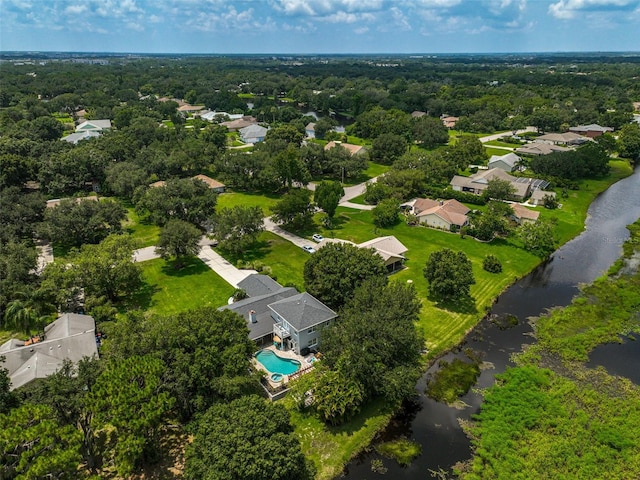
176, 385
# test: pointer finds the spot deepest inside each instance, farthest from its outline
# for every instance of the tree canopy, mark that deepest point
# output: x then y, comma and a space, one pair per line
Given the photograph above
334, 272
248, 438
449, 273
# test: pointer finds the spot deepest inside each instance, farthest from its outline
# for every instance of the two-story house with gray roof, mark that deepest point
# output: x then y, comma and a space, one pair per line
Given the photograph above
281, 315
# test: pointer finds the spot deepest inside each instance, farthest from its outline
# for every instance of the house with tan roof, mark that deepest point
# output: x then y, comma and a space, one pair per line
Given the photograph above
212, 183
449, 121
523, 214
478, 183
450, 215
540, 148
352, 149
568, 138
186, 108
592, 131
240, 123
389, 248
537, 196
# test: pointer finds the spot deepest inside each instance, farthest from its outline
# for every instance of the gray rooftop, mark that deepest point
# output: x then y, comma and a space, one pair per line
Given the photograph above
71, 337
260, 305
256, 285
303, 311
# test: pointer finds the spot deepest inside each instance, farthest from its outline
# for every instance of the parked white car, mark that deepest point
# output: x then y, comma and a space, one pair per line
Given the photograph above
317, 237
309, 249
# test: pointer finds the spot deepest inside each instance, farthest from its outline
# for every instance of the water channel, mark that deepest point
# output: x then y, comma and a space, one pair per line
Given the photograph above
435, 425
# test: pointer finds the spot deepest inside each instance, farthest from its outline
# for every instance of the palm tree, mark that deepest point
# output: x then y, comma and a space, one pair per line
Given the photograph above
21, 314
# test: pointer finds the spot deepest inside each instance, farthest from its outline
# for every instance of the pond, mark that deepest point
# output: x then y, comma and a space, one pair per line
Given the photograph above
435, 425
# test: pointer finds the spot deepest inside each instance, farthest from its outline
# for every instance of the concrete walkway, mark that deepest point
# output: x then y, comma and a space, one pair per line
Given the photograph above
211, 259
45, 256
497, 136
222, 267
357, 206
272, 227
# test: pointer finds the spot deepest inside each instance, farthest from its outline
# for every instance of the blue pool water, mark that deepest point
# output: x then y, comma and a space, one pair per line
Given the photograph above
276, 364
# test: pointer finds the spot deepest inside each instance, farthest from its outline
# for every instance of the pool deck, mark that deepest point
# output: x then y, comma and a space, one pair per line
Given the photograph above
304, 363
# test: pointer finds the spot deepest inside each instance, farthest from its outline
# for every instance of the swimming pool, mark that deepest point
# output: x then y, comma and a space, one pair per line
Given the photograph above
275, 364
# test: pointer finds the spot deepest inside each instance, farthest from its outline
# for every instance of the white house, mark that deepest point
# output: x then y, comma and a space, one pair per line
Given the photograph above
94, 126
253, 133
508, 162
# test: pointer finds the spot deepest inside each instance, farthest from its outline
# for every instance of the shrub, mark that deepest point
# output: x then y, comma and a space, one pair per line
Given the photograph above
492, 264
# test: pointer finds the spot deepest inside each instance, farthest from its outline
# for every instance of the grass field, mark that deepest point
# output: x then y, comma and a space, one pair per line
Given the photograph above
231, 199
167, 290
147, 234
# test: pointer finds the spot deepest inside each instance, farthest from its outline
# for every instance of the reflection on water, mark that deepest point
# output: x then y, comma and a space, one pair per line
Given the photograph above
434, 425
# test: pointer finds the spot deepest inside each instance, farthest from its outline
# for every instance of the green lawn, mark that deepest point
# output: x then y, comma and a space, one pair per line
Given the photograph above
230, 199
147, 234
167, 290
330, 448
496, 151
285, 259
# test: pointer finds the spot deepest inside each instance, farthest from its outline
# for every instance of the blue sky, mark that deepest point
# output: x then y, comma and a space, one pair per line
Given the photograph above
320, 26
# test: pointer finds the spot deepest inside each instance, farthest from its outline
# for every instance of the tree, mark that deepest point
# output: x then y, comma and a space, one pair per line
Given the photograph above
334, 272
248, 438
629, 141
387, 147
499, 189
492, 264
385, 214
290, 168
341, 164
14, 170
467, 150
327, 196
206, 352
237, 228
375, 340
106, 269
178, 239
492, 221
34, 445
20, 214
18, 263
123, 178
286, 133
74, 223
337, 398
294, 209
538, 237
429, 132
8, 399
186, 199
128, 398
324, 125
450, 274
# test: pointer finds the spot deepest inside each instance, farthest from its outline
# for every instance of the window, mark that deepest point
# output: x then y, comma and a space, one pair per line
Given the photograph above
313, 342
312, 329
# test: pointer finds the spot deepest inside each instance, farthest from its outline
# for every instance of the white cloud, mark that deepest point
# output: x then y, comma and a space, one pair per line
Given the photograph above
567, 9
321, 8
75, 9
361, 30
401, 22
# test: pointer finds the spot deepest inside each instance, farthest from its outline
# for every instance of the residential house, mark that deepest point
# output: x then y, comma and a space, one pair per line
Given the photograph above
56, 201
352, 149
70, 337
280, 314
78, 136
94, 126
389, 248
508, 162
210, 116
213, 184
539, 148
253, 133
240, 123
592, 131
310, 130
478, 183
188, 109
568, 138
450, 215
159, 183
537, 196
418, 114
523, 214
298, 322
449, 121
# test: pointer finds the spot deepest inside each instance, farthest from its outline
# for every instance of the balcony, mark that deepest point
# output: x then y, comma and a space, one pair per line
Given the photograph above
280, 332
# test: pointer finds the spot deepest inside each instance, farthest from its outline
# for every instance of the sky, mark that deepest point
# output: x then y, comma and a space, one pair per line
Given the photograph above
320, 26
